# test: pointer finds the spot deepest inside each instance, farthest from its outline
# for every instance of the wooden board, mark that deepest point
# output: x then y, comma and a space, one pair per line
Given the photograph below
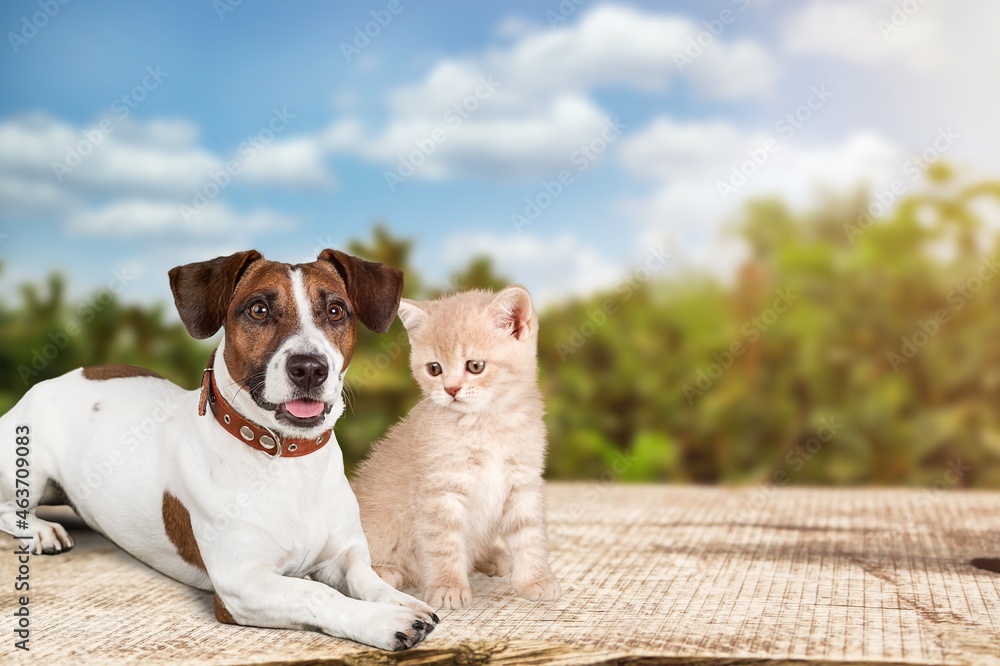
651, 575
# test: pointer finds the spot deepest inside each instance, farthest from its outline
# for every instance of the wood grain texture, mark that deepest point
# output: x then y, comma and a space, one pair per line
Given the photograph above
651, 575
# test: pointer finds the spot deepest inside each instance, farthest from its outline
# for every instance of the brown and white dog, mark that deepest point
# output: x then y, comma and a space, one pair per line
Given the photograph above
239, 487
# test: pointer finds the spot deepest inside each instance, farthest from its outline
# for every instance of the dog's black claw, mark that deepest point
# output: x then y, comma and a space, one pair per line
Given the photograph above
436, 618
401, 641
418, 625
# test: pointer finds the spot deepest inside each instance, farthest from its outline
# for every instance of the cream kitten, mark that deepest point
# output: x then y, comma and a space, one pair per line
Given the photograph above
462, 473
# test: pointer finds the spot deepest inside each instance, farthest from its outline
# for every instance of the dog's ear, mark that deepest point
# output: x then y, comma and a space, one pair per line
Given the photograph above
373, 288
202, 291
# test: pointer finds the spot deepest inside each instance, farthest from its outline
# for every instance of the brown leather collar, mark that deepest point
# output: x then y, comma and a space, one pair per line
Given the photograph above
253, 435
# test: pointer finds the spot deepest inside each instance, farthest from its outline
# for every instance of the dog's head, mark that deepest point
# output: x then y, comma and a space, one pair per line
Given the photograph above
290, 330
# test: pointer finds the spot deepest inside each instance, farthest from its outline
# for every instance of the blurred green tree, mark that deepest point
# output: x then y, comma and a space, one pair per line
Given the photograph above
851, 348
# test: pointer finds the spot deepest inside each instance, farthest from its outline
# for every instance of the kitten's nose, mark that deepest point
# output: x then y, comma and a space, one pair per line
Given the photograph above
452, 390
306, 370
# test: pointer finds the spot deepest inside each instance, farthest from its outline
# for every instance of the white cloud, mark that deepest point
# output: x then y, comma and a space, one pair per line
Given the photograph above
620, 46
29, 196
296, 162
521, 110
344, 135
57, 163
667, 148
504, 147
867, 31
551, 268
516, 26
133, 179
132, 217
688, 160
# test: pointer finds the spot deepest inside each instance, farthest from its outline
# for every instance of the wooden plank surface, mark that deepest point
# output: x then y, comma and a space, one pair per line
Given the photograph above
652, 574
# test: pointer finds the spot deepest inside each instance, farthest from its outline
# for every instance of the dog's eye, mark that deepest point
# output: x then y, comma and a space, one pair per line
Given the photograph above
434, 369
258, 311
336, 313
475, 367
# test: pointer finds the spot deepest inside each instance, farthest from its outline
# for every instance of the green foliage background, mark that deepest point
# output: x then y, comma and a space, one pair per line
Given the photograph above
642, 394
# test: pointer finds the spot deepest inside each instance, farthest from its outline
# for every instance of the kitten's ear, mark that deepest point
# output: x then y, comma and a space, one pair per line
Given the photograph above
511, 310
374, 289
411, 314
202, 291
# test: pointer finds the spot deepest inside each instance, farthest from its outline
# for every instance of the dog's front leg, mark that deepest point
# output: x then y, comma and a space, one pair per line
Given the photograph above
352, 574
261, 598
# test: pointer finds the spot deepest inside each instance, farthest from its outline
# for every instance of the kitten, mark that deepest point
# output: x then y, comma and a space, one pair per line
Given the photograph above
461, 474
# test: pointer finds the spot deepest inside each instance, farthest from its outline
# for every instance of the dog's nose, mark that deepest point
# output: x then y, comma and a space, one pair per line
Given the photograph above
306, 370
452, 390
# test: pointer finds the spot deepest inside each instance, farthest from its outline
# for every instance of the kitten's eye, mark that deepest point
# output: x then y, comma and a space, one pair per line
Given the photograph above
258, 310
336, 312
434, 369
475, 367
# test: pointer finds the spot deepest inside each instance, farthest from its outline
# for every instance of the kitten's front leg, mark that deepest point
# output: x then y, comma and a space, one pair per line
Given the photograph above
443, 552
523, 526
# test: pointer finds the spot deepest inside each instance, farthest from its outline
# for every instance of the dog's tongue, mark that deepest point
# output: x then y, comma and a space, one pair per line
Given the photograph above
304, 409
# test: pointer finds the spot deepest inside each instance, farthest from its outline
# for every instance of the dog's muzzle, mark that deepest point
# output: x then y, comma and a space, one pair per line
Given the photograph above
252, 434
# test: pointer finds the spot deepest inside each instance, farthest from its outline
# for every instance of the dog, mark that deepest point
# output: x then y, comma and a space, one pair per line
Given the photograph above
238, 487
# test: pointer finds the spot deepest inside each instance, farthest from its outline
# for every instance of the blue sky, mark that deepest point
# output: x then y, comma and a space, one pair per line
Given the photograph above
882, 87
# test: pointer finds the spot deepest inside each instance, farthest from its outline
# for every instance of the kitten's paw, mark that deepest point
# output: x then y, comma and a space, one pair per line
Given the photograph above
390, 575
449, 596
545, 588
495, 563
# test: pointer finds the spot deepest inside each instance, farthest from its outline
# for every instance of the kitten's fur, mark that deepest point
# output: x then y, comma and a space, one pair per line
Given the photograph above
458, 478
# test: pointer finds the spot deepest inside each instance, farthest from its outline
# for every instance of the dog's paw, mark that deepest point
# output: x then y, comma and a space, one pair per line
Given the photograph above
449, 596
398, 627
543, 588
50, 538
496, 562
424, 612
